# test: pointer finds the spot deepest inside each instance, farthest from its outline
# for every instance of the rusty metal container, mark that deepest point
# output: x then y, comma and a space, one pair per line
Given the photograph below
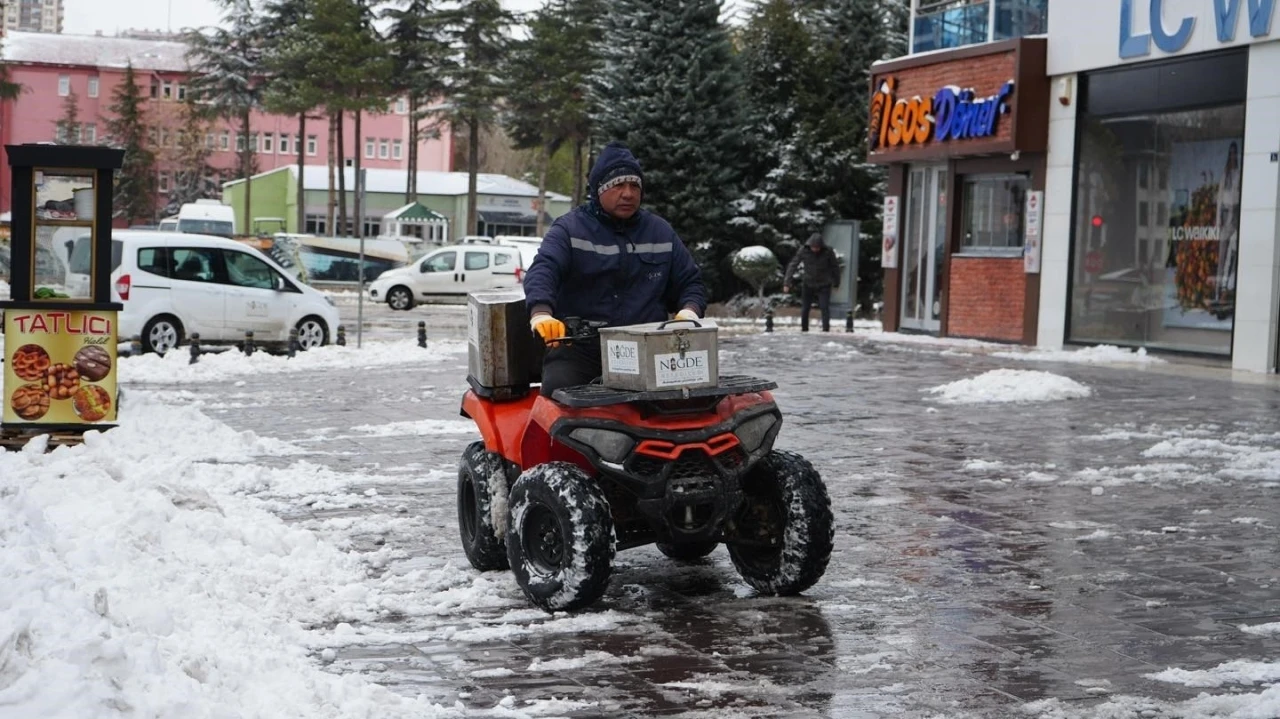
502, 356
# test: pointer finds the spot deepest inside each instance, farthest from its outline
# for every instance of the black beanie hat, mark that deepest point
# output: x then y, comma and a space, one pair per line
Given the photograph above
615, 165
815, 240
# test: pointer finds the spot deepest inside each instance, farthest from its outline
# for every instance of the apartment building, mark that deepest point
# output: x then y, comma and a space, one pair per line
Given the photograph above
52, 68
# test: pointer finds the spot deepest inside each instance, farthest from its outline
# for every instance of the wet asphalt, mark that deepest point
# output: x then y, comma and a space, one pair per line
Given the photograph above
986, 556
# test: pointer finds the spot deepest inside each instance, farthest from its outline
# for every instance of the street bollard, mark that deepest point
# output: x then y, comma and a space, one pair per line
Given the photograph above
135, 345
293, 343
342, 336
248, 343
195, 348
768, 319
848, 321
422, 333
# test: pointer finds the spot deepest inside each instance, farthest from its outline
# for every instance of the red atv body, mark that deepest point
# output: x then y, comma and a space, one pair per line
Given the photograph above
557, 486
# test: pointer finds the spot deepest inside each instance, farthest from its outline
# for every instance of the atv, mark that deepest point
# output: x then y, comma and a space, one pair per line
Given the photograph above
558, 485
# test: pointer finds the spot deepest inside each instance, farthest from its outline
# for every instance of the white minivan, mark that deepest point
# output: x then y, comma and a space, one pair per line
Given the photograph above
176, 284
449, 273
202, 217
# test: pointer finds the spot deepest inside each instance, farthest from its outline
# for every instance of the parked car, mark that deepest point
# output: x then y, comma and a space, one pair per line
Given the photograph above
175, 284
528, 246
203, 217
448, 272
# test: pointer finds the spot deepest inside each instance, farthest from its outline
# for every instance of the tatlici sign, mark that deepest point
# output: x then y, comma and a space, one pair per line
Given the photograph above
951, 114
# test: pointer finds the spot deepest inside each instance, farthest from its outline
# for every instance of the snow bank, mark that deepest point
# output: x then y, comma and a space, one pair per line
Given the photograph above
1009, 385
175, 367
1238, 671
142, 576
1263, 705
1099, 354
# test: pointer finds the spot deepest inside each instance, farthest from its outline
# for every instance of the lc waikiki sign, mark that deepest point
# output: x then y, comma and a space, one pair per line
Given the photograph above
1226, 18
951, 114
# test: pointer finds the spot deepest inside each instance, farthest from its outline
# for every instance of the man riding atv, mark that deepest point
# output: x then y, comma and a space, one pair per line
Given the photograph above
610, 261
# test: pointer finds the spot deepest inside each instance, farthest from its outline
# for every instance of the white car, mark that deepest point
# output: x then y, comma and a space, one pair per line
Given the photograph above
528, 246
174, 284
449, 272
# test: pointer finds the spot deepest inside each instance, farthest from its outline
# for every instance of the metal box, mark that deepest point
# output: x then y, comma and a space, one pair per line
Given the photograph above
502, 356
661, 356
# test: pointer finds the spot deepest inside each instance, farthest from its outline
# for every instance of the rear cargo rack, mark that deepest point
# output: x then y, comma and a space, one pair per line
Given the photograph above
596, 395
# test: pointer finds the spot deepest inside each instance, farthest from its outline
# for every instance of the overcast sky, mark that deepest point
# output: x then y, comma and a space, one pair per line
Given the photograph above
85, 17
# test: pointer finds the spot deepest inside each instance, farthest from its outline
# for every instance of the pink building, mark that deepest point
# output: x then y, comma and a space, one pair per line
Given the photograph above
51, 67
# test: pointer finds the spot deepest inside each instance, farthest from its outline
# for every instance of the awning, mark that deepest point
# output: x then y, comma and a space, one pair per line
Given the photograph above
414, 212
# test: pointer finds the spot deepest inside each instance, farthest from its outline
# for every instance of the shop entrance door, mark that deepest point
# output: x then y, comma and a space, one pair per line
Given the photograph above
924, 248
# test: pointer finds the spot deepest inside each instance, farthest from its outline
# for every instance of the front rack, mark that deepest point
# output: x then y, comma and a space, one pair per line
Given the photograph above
597, 395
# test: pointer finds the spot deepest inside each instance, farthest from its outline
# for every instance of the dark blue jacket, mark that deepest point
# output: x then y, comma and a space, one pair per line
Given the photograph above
595, 267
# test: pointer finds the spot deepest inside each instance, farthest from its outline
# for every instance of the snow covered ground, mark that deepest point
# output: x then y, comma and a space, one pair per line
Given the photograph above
165, 568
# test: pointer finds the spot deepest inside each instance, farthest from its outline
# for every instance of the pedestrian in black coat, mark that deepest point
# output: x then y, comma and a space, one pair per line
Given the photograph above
821, 275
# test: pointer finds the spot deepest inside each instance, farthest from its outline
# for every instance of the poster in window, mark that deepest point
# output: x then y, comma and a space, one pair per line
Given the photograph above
1203, 233
889, 247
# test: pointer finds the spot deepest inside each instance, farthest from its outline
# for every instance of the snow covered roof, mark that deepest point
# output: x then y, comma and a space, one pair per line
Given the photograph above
94, 51
316, 177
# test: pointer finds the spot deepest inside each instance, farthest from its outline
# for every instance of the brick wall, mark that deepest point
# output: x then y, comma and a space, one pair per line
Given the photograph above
987, 298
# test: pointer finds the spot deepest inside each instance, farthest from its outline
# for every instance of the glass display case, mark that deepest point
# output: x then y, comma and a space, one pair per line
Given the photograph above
60, 333
63, 214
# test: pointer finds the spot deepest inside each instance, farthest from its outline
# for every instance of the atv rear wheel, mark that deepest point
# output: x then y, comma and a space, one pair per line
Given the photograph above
687, 551
482, 507
785, 525
561, 541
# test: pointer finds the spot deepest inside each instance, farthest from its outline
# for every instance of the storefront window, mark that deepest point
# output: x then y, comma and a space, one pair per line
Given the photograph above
1156, 226
993, 212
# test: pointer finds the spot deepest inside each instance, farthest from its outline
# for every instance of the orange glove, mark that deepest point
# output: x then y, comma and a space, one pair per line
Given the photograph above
547, 327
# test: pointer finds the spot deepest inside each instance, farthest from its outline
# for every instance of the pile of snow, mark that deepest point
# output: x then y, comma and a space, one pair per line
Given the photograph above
1099, 354
1010, 385
175, 367
132, 585
4, 290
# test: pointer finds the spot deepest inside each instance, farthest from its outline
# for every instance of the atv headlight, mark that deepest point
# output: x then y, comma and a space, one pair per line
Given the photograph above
611, 446
752, 433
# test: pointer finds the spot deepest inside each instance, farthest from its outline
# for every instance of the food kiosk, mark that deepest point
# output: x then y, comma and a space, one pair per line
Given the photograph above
60, 323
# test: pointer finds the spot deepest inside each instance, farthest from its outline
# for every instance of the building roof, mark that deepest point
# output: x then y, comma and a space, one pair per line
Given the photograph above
414, 211
95, 51
316, 177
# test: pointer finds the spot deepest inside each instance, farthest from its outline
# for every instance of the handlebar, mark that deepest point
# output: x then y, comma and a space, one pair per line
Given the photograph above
576, 329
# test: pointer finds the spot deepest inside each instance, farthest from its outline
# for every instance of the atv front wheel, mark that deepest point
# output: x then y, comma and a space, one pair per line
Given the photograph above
561, 540
785, 526
687, 551
482, 507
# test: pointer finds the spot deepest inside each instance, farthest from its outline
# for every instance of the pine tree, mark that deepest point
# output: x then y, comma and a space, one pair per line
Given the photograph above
419, 55
291, 87
476, 33
368, 83
545, 98
854, 34
135, 191
68, 126
193, 178
9, 90
350, 67
227, 62
779, 209
671, 89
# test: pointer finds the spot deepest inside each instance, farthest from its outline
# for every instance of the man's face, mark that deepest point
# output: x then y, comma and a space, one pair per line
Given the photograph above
621, 201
